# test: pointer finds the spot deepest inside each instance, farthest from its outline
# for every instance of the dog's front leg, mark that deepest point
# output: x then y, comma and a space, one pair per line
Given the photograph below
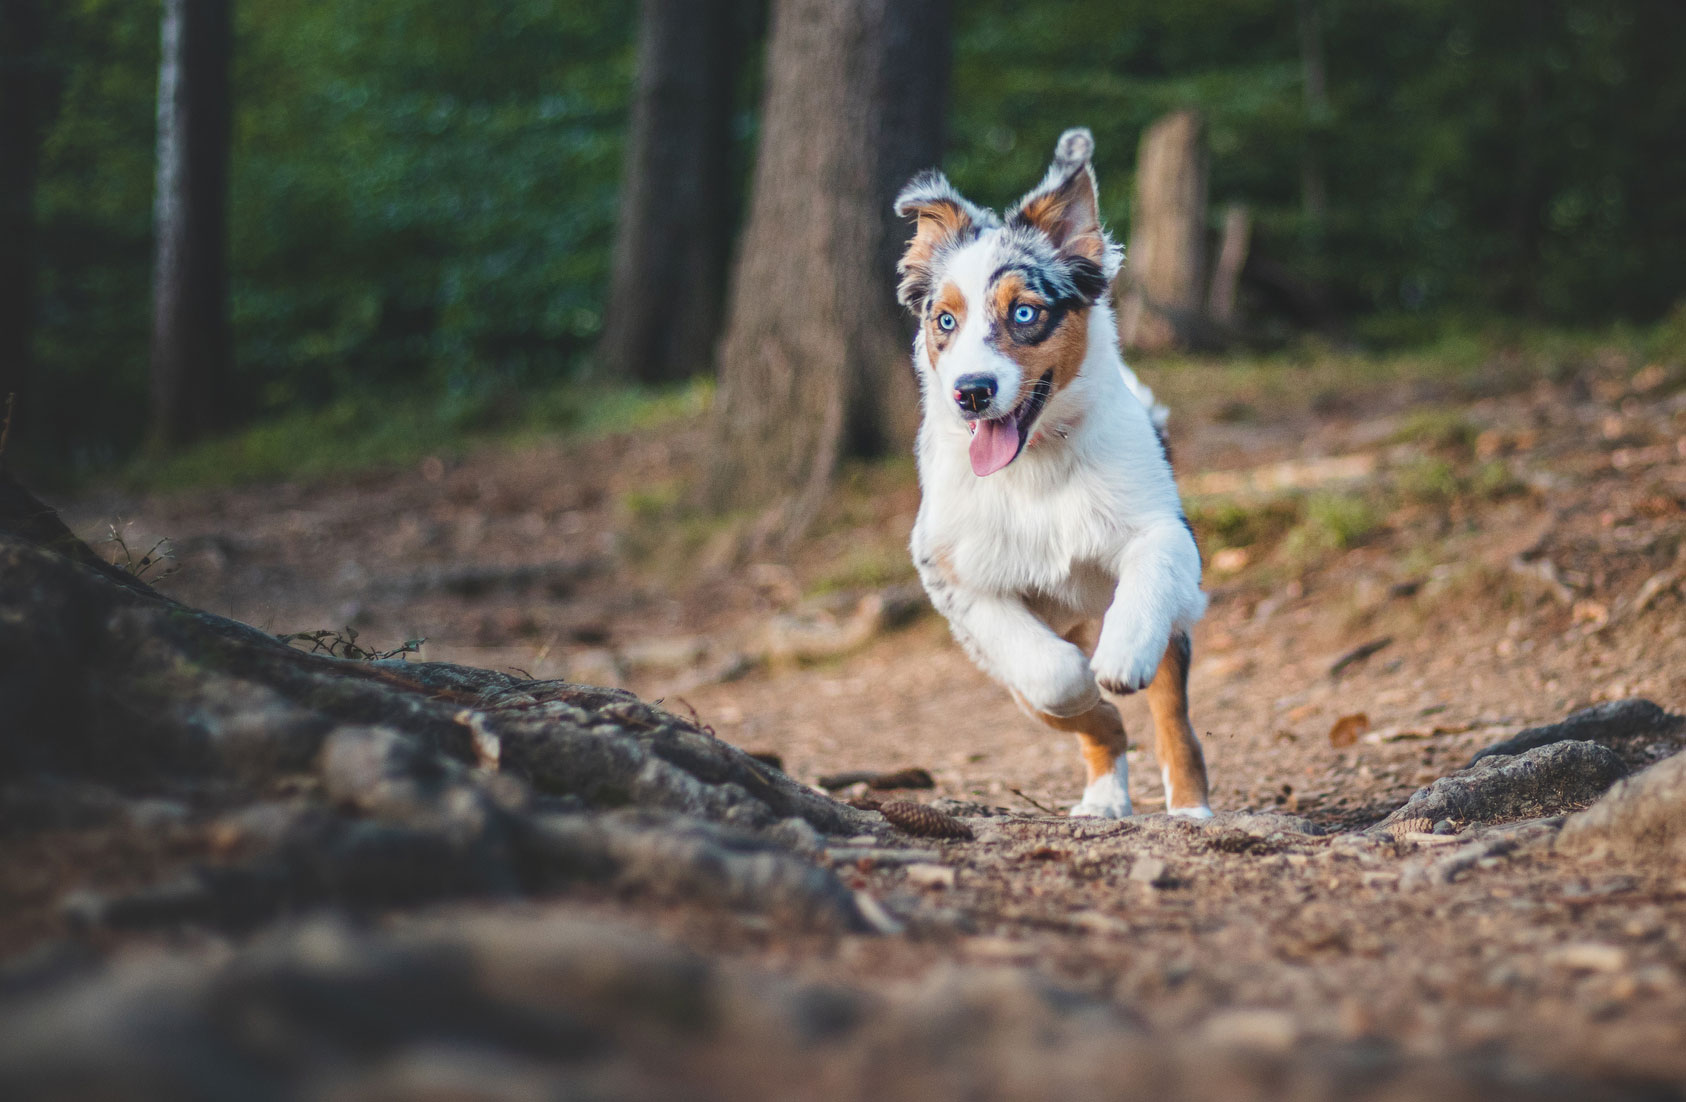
1050, 679
1013, 645
1158, 591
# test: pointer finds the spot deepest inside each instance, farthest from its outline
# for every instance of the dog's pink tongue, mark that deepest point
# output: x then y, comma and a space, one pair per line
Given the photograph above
994, 445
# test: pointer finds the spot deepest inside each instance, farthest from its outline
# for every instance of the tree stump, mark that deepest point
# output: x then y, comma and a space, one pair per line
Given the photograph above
1163, 286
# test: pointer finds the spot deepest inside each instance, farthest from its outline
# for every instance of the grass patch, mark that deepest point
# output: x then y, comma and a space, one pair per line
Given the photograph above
866, 567
1221, 524
1445, 430
376, 431
1333, 522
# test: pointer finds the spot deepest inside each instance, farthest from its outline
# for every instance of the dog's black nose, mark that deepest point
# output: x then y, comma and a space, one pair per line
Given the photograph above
973, 392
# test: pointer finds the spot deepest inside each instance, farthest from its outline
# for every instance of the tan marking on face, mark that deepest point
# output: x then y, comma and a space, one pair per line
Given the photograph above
938, 224
1061, 351
948, 300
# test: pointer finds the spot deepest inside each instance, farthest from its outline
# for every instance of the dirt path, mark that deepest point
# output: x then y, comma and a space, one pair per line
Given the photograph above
1450, 565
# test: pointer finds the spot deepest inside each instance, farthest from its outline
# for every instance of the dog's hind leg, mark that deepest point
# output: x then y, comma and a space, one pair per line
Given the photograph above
1101, 738
1180, 760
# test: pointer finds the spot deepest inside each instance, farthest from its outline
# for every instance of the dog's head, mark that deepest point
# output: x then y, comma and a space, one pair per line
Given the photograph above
1004, 302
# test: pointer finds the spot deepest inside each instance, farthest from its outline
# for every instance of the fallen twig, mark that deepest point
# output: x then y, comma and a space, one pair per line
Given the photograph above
1037, 804
1358, 654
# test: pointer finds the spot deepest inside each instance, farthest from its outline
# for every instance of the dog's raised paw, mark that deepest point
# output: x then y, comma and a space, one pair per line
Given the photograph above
1123, 663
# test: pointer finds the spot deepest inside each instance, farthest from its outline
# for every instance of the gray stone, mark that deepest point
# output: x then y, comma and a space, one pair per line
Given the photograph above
1642, 819
1547, 780
1608, 720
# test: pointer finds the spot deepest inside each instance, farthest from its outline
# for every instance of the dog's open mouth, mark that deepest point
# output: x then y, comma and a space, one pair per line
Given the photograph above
997, 442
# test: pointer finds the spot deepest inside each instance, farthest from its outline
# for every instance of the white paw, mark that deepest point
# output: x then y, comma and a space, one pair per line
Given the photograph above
1199, 811
1131, 645
1107, 798
1062, 686
1125, 661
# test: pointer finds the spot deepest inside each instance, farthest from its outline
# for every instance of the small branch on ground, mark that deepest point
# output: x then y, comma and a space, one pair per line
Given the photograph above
343, 644
1037, 804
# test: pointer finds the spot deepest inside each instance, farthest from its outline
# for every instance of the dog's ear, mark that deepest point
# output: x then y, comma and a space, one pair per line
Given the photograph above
945, 219
1066, 207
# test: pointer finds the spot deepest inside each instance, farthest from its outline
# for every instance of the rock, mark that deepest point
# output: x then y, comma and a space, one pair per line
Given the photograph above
926, 875
1489, 845
1261, 824
1589, 956
1148, 870
1610, 720
1547, 780
1642, 819
1258, 1030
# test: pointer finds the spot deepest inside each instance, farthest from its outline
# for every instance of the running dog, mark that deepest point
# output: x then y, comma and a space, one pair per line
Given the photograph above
1048, 507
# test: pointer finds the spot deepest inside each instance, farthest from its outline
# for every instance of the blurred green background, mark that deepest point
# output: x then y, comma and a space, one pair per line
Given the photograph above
424, 194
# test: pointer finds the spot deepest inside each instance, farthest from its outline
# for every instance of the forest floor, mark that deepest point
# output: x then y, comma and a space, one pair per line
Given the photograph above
1404, 568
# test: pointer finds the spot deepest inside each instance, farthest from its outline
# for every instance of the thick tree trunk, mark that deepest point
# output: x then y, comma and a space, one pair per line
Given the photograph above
23, 81
190, 339
814, 364
674, 238
1314, 187
1163, 290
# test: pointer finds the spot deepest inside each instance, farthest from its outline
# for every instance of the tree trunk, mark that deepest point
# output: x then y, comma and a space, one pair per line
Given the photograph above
1164, 284
675, 232
190, 338
1223, 299
23, 79
814, 365
1314, 187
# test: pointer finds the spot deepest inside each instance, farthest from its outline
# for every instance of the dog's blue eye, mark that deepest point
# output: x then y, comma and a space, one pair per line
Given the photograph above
1024, 314
946, 322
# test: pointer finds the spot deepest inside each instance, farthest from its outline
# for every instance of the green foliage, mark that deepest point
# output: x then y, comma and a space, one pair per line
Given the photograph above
424, 194
1485, 157
1335, 522
1223, 523
370, 429
423, 197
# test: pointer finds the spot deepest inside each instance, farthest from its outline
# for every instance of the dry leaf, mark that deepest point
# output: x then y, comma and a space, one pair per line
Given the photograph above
1346, 730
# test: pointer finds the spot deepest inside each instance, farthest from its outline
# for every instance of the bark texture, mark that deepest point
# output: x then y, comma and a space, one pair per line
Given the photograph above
676, 213
25, 83
814, 365
190, 337
1162, 292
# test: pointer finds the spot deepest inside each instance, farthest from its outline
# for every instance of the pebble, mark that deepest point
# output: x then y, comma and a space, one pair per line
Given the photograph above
1147, 870
928, 875
1589, 956
1257, 1029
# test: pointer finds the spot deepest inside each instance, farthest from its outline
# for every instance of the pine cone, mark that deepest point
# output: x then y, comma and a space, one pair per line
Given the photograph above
925, 821
1410, 826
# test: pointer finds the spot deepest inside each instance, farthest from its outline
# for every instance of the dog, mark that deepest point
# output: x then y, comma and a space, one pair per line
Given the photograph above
1048, 507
